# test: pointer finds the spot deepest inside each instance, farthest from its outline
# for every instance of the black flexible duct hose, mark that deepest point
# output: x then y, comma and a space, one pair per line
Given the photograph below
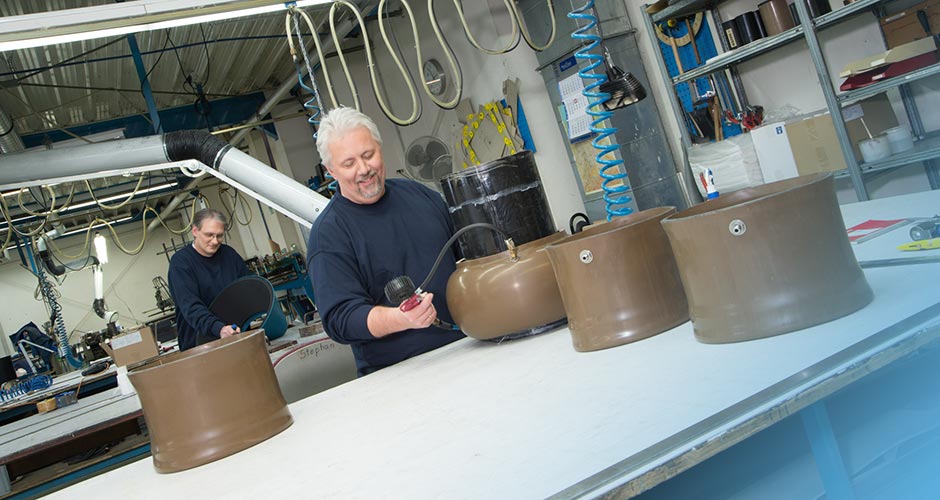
195, 145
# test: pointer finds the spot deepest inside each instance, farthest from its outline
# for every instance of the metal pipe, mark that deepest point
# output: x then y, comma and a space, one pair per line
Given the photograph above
10, 141
257, 124
193, 148
832, 102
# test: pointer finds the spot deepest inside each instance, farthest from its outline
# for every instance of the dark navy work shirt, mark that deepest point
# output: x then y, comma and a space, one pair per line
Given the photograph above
354, 250
194, 282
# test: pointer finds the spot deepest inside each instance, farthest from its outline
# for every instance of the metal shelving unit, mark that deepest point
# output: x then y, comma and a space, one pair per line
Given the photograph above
927, 148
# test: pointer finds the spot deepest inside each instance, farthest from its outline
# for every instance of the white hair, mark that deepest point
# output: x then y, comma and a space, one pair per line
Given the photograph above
336, 123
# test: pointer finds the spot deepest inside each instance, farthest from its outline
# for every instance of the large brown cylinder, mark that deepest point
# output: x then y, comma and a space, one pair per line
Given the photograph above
210, 401
619, 281
493, 297
776, 16
767, 260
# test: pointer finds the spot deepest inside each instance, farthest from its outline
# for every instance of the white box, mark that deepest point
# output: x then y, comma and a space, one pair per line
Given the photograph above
773, 152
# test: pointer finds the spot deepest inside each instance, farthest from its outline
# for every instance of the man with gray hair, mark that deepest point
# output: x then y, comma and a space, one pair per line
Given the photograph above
197, 274
374, 230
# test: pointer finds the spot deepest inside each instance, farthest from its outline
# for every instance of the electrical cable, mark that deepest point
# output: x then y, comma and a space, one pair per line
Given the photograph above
610, 170
19, 200
162, 51
233, 212
11, 225
130, 197
446, 248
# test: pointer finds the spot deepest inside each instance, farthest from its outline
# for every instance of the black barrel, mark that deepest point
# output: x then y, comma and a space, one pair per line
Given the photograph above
749, 27
506, 193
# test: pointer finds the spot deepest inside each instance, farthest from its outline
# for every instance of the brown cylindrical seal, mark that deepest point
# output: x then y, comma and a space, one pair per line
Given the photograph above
494, 297
619, 281
767, 260
209, 402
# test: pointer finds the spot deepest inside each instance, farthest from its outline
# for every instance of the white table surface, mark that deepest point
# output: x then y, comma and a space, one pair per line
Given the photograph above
532, 417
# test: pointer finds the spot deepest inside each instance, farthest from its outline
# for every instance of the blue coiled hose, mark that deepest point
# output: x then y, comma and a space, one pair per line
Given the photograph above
19, 388
313, 104
615, 197
58, 323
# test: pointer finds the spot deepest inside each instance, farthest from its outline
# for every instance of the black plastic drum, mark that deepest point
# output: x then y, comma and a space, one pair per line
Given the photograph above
506, 193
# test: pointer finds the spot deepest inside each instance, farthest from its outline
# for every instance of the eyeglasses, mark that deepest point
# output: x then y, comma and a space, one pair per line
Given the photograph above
217, 236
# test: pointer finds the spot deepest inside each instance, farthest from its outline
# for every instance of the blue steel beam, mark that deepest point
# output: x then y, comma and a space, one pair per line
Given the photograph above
144, 83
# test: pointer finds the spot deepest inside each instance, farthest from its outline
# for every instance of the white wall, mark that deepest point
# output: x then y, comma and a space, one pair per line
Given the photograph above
784, 81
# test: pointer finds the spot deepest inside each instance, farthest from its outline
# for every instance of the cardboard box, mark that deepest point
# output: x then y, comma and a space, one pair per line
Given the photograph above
773, 152
904, 27
131, 347
813, 140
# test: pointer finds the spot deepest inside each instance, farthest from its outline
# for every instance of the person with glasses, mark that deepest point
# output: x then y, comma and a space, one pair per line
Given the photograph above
197, 274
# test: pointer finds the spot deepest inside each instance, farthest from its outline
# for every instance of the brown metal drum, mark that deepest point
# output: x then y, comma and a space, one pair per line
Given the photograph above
619, 281
767, 260
210, 401
493, 297
776, 16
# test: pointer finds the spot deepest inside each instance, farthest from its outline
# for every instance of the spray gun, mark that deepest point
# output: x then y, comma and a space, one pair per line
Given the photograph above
402, 291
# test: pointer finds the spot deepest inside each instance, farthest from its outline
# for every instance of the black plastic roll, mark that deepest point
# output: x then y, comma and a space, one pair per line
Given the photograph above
749, 27
760, 24
816, 8
506, 193
732, 35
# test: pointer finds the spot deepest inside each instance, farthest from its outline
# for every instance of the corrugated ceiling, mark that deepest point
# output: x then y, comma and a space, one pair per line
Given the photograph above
71, 84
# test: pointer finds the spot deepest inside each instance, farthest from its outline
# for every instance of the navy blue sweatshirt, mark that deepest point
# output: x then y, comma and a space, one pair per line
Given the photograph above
354, 250
194, 282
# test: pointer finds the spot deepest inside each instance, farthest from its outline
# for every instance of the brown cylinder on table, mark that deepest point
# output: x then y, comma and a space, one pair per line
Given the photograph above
494, 296
767, 260
619, 281
209, 402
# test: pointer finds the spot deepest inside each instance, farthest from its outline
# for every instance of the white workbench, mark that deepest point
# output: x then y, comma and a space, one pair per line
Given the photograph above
532, 417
